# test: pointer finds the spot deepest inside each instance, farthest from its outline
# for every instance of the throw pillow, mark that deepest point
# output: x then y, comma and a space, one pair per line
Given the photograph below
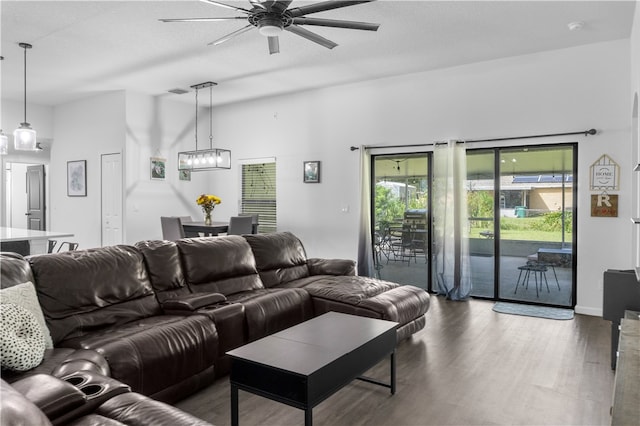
25, 295
22, 345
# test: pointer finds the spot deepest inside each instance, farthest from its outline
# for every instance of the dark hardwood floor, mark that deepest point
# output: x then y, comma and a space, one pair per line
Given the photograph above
468, 366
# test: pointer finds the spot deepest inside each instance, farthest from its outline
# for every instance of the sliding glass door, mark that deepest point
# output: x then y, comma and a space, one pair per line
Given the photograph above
401, 218
520, 203
520, 222
536, 224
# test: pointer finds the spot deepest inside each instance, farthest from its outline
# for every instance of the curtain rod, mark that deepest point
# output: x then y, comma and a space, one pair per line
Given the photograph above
584, 132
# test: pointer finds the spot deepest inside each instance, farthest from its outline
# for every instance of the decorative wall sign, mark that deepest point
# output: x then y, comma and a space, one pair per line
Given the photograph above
604, 205
158, 168
77, 178
605, 174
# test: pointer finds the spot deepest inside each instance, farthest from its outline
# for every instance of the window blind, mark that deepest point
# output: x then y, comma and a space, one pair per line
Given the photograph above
259, 194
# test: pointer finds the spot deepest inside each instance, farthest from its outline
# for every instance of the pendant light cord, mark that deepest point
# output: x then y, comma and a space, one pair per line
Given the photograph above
197, 119
210, 117
25, 82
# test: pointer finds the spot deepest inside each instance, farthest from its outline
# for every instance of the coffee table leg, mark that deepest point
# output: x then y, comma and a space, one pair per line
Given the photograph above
393, 372
308, 416
234, 405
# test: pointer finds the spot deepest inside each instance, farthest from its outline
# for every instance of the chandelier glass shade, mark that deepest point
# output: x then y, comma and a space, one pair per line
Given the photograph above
204, 159
24, 137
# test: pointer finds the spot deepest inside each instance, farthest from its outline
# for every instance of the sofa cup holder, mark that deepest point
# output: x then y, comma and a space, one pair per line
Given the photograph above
76, 380
93, 390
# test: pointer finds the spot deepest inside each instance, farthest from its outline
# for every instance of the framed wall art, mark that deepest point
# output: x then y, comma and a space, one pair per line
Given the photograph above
158, 168
77, 178
184, 174
311, 172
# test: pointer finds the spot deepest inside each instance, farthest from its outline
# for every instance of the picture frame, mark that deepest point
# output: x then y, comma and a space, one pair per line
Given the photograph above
77, 178
184, 175
158, 168
311, 171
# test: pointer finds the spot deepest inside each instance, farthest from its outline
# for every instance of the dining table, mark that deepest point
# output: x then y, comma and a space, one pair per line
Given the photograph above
193, 229
38, 240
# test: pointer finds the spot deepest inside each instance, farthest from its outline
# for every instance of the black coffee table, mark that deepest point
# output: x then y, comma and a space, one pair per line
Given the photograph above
305, 364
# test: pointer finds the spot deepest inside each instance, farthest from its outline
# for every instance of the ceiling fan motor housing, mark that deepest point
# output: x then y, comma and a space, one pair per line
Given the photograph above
268, 21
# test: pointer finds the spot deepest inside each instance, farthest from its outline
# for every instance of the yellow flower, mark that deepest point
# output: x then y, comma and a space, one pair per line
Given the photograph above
208, 202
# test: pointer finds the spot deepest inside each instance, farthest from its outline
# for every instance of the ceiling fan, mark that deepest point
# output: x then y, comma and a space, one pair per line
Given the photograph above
271, 17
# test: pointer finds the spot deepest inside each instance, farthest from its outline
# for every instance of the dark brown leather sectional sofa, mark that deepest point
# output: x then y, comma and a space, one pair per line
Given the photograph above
159, 316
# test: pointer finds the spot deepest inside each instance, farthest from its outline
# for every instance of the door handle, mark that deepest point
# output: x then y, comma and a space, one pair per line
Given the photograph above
27, 214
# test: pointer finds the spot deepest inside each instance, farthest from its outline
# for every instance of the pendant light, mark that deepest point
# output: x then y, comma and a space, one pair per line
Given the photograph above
24, 137
205, 159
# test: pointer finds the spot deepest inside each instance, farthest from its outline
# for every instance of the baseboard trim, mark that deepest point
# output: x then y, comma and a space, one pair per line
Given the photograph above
585, 310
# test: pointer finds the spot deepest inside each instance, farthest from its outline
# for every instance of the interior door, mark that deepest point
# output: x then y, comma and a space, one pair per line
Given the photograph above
111, 194
35, 198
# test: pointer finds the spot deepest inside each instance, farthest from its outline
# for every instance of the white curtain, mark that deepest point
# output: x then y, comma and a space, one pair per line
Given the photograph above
451, 235
365, 250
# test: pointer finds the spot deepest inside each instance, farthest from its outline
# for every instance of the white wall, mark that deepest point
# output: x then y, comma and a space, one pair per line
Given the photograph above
558, 91
635, 140
161, 127
84, 130
41, 119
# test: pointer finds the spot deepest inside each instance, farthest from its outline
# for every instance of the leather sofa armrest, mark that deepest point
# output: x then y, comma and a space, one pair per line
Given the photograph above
193, 302
331, 266
82, 359
51, 395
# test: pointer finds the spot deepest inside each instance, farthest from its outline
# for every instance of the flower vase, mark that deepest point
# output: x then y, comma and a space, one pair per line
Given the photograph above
207, 218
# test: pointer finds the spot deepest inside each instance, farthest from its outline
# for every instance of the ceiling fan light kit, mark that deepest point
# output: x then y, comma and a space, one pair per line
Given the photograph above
204, 159
273, 17
24, 137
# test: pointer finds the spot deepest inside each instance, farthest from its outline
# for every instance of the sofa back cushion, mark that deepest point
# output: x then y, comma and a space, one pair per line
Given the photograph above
280, 257
219, 264
164, 268
85, 290
14, 270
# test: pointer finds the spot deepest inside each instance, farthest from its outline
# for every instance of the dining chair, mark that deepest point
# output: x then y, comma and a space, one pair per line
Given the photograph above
70, 246
240, 225
256, 221
172, 229
51, 246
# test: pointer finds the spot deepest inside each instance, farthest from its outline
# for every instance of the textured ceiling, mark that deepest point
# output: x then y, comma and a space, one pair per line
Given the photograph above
85, 47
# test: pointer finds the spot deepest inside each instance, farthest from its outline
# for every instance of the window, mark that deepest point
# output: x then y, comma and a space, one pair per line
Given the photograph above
258, 194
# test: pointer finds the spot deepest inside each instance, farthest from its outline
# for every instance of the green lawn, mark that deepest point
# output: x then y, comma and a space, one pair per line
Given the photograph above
521, 229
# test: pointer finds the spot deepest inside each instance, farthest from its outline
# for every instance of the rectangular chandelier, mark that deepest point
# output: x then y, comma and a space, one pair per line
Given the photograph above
204, 159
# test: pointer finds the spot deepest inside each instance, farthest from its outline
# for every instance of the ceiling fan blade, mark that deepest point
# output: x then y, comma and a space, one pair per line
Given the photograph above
271, 5
217, 3
336, 23
203, 19
311, 36
322, 6
274, 45
231, 35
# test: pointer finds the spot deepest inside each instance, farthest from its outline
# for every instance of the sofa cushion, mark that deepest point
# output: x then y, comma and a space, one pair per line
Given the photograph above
17, 410
24, 294
155, 353
369, 297
271, 310
84, 290
219, 265
22, 342
164, 267
137, 410
14, 269
280, 257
